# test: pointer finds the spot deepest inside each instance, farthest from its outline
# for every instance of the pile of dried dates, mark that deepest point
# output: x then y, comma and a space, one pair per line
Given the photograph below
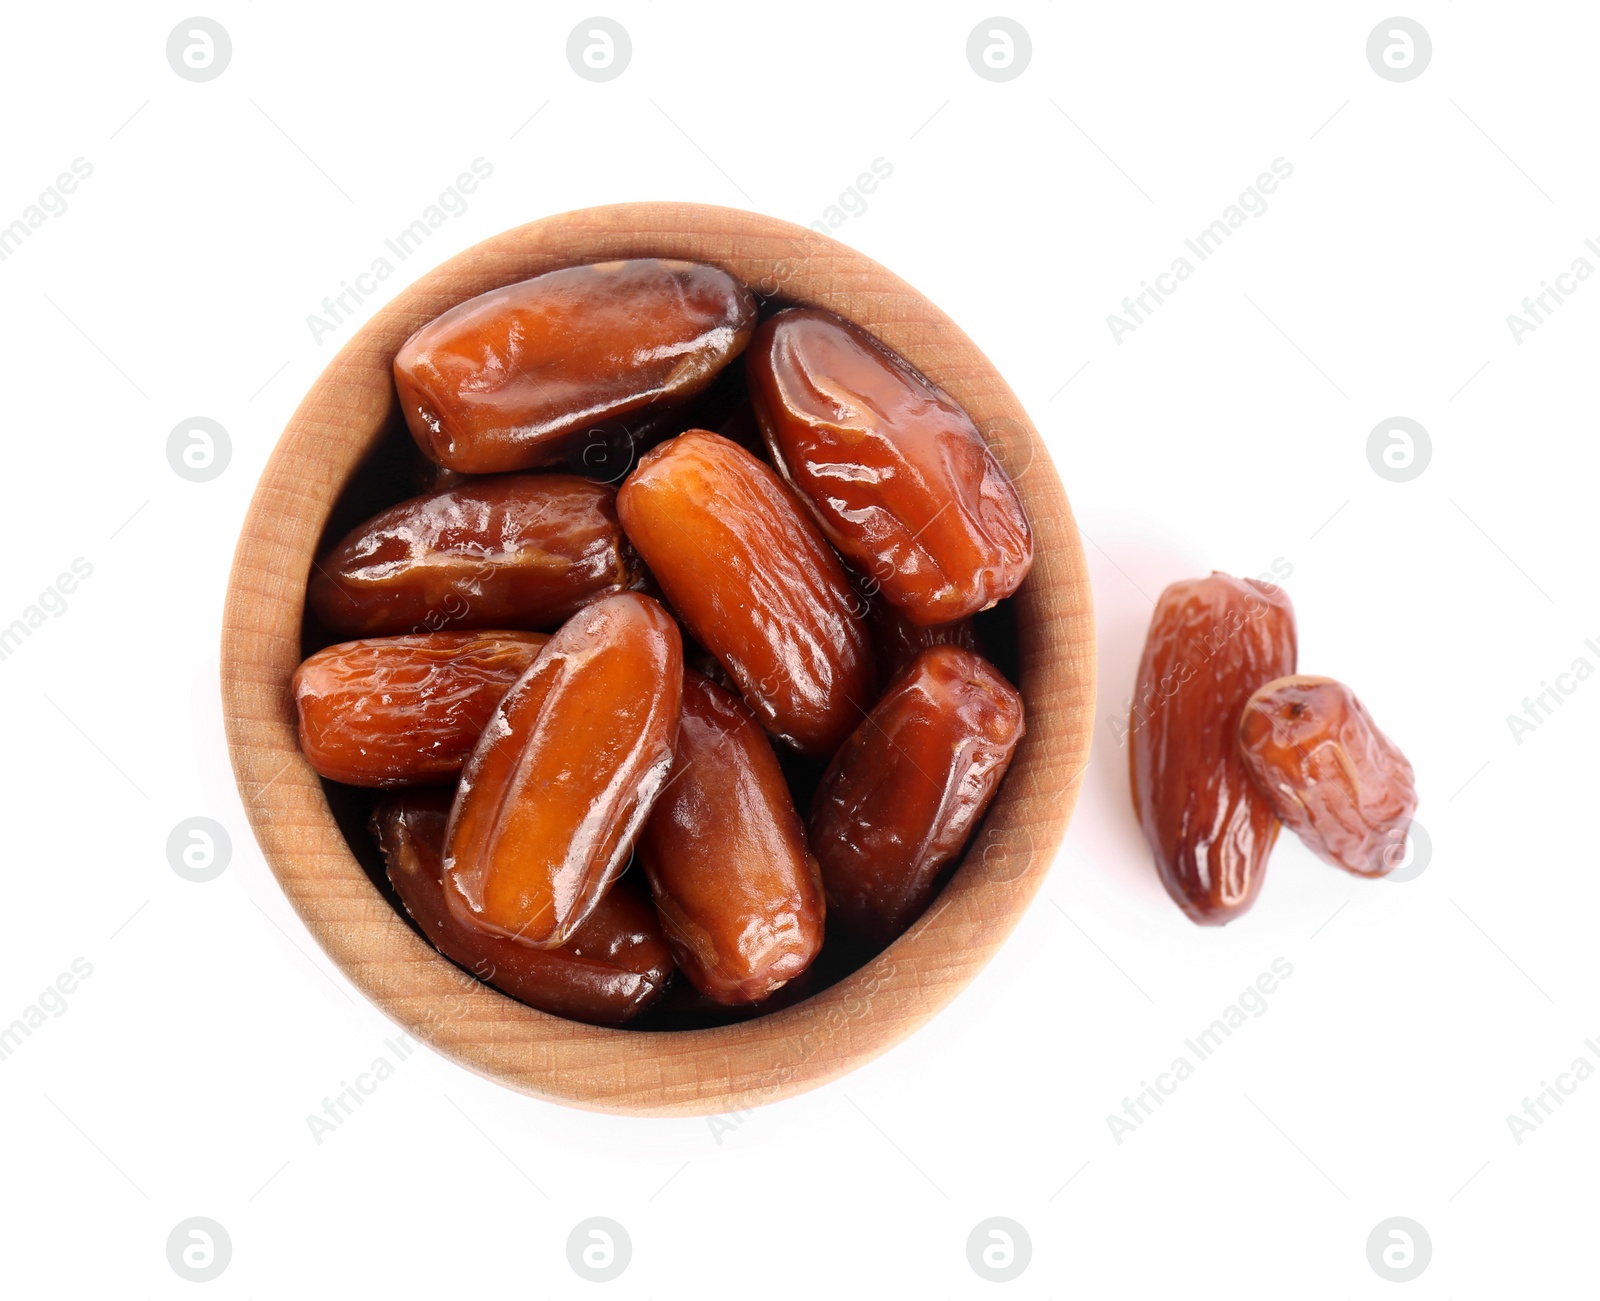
1229, 743
673, 670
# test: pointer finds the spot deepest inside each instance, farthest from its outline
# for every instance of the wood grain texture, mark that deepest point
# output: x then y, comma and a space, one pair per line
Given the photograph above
698, 1072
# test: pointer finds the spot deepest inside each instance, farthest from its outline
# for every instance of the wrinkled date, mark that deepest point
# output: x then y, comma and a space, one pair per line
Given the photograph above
901, 797
755, 584
405, 711
1212, 641
513, 379
614, 966
895, 473
899, 641
566, 772
1334, 779
523, 551
725, 853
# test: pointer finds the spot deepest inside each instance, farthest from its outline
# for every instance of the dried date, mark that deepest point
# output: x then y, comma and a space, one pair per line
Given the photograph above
1212, 641
906, 790
521, 376
755, 584
553, 797
740, 897
1332, 777
518, 551
405, 711
895, 473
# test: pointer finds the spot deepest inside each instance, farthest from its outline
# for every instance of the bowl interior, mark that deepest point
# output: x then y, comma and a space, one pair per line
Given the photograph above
332, 464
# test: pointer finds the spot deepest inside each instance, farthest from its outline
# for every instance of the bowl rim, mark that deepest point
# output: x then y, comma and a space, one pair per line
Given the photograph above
681, 1072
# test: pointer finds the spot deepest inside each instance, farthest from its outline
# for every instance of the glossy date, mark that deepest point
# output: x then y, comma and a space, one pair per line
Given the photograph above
404, 711
517, 551
565, 774
1212, 641
1333, 778
902, 796
895, 473
725, 854
755, 584
515, 378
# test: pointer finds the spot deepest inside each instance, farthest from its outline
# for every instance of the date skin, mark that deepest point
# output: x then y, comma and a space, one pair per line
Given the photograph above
755, 584
615, 965
1332, 777
895, 473
905, 792
405, 711
899, 640
1212, 641
520, 551
724, 851
518, 377
566, 772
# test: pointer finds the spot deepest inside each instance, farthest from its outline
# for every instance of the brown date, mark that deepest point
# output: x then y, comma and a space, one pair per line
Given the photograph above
739, 896
1334, 779
1212, 641
565, 774
906, 790
613, 967
519, 551
404, 711
513, 379
895, 473
899, 640
755, 584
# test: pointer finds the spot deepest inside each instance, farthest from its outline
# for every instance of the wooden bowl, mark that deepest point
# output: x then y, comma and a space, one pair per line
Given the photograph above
691, 1072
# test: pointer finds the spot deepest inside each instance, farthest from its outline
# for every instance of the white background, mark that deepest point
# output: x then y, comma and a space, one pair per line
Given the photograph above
178, 282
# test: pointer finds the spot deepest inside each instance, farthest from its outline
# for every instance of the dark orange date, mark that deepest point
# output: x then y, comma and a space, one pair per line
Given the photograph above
405, 711
907, 789
520, 377
1212, 641
519, 551
1333, 778
566, 772
725, 853
756, 585
896, 474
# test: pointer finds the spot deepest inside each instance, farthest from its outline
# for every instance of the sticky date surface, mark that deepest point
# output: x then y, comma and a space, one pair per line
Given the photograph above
511, 379
517, 551
895, 473
1334, 779
725, 853
404, 711
1212, 641
568, 767
901, 797
755, 584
